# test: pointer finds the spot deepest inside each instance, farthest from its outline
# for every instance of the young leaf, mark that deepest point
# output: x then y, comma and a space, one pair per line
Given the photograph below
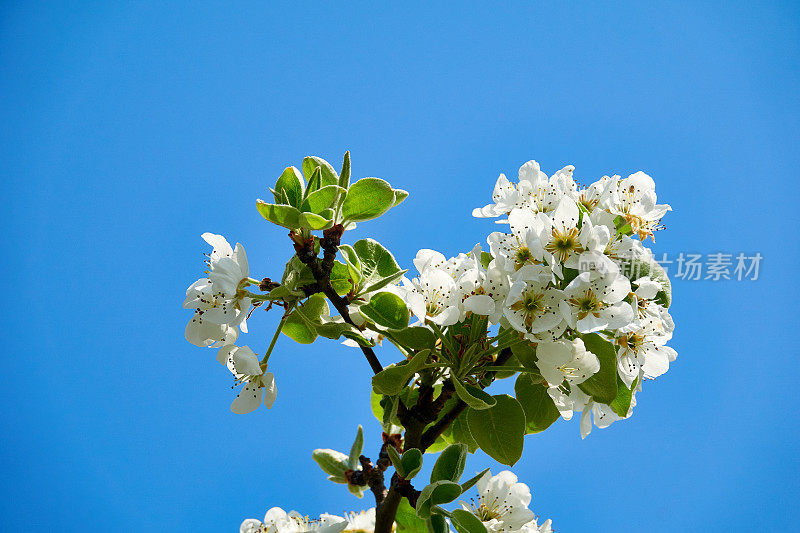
386, 309
282, 215
321, 199
397, 461
540, 411
435, 494
366, 199
314, 222
414, 338
299, 325
340, 278
499, 430
474, 397
377, 263
327, 174
330, 461
344, 177
437, 524
450, 464
399, 196
411, 462
471, 481
393, 379
381, 283
355, 450
290, 187
603, 385
466, 522
353, 264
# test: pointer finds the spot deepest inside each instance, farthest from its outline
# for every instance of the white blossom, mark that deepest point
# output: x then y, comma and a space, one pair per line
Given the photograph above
247, 370
502, 503
279, 521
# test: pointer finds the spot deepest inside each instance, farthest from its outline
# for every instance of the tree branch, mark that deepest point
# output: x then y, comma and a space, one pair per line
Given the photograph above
322, 275
430, 436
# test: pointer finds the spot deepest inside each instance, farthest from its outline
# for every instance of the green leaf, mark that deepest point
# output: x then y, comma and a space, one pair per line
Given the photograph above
282, 215
466, 522
290, 186
377, 263
437, 524
321, 199
333, 329
471, 481
475, 397
486, 258
355, 450
438, 445
622, 403
330, 461
435, 494
511, 362
314, 222
526, 354
340, 278
540, 411
327, 174
353, 264
414, 338
411, 462
299, 325
499, 430
393, 379
383, 282
344, 177
603, 385
399, 196
407, 519
358, 337
386, 309
450, 464
460, 433
366, 199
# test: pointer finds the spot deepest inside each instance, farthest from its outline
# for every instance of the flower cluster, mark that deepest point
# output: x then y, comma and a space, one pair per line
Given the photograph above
572, 263
221, 303
501, 505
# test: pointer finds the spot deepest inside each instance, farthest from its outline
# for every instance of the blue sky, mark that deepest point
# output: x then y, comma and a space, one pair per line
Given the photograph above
130, 129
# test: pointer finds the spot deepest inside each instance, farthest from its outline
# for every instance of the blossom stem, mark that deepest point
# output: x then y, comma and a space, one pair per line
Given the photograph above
274, 338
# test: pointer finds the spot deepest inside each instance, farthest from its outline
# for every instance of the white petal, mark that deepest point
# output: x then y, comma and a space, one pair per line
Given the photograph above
245, 362
480, 304
270, 389
221, 246
251, 525
240, 257
248, 399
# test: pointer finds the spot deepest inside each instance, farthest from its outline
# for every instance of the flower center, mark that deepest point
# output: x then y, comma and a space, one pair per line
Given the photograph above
523, 256
586, 303
631, 341
531, 305
485, 513
564, 243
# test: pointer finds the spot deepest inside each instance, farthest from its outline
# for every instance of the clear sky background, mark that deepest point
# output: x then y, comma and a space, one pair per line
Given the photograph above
127, 130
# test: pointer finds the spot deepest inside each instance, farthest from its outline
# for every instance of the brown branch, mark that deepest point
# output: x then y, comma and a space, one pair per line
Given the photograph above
430, 436
321, 270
